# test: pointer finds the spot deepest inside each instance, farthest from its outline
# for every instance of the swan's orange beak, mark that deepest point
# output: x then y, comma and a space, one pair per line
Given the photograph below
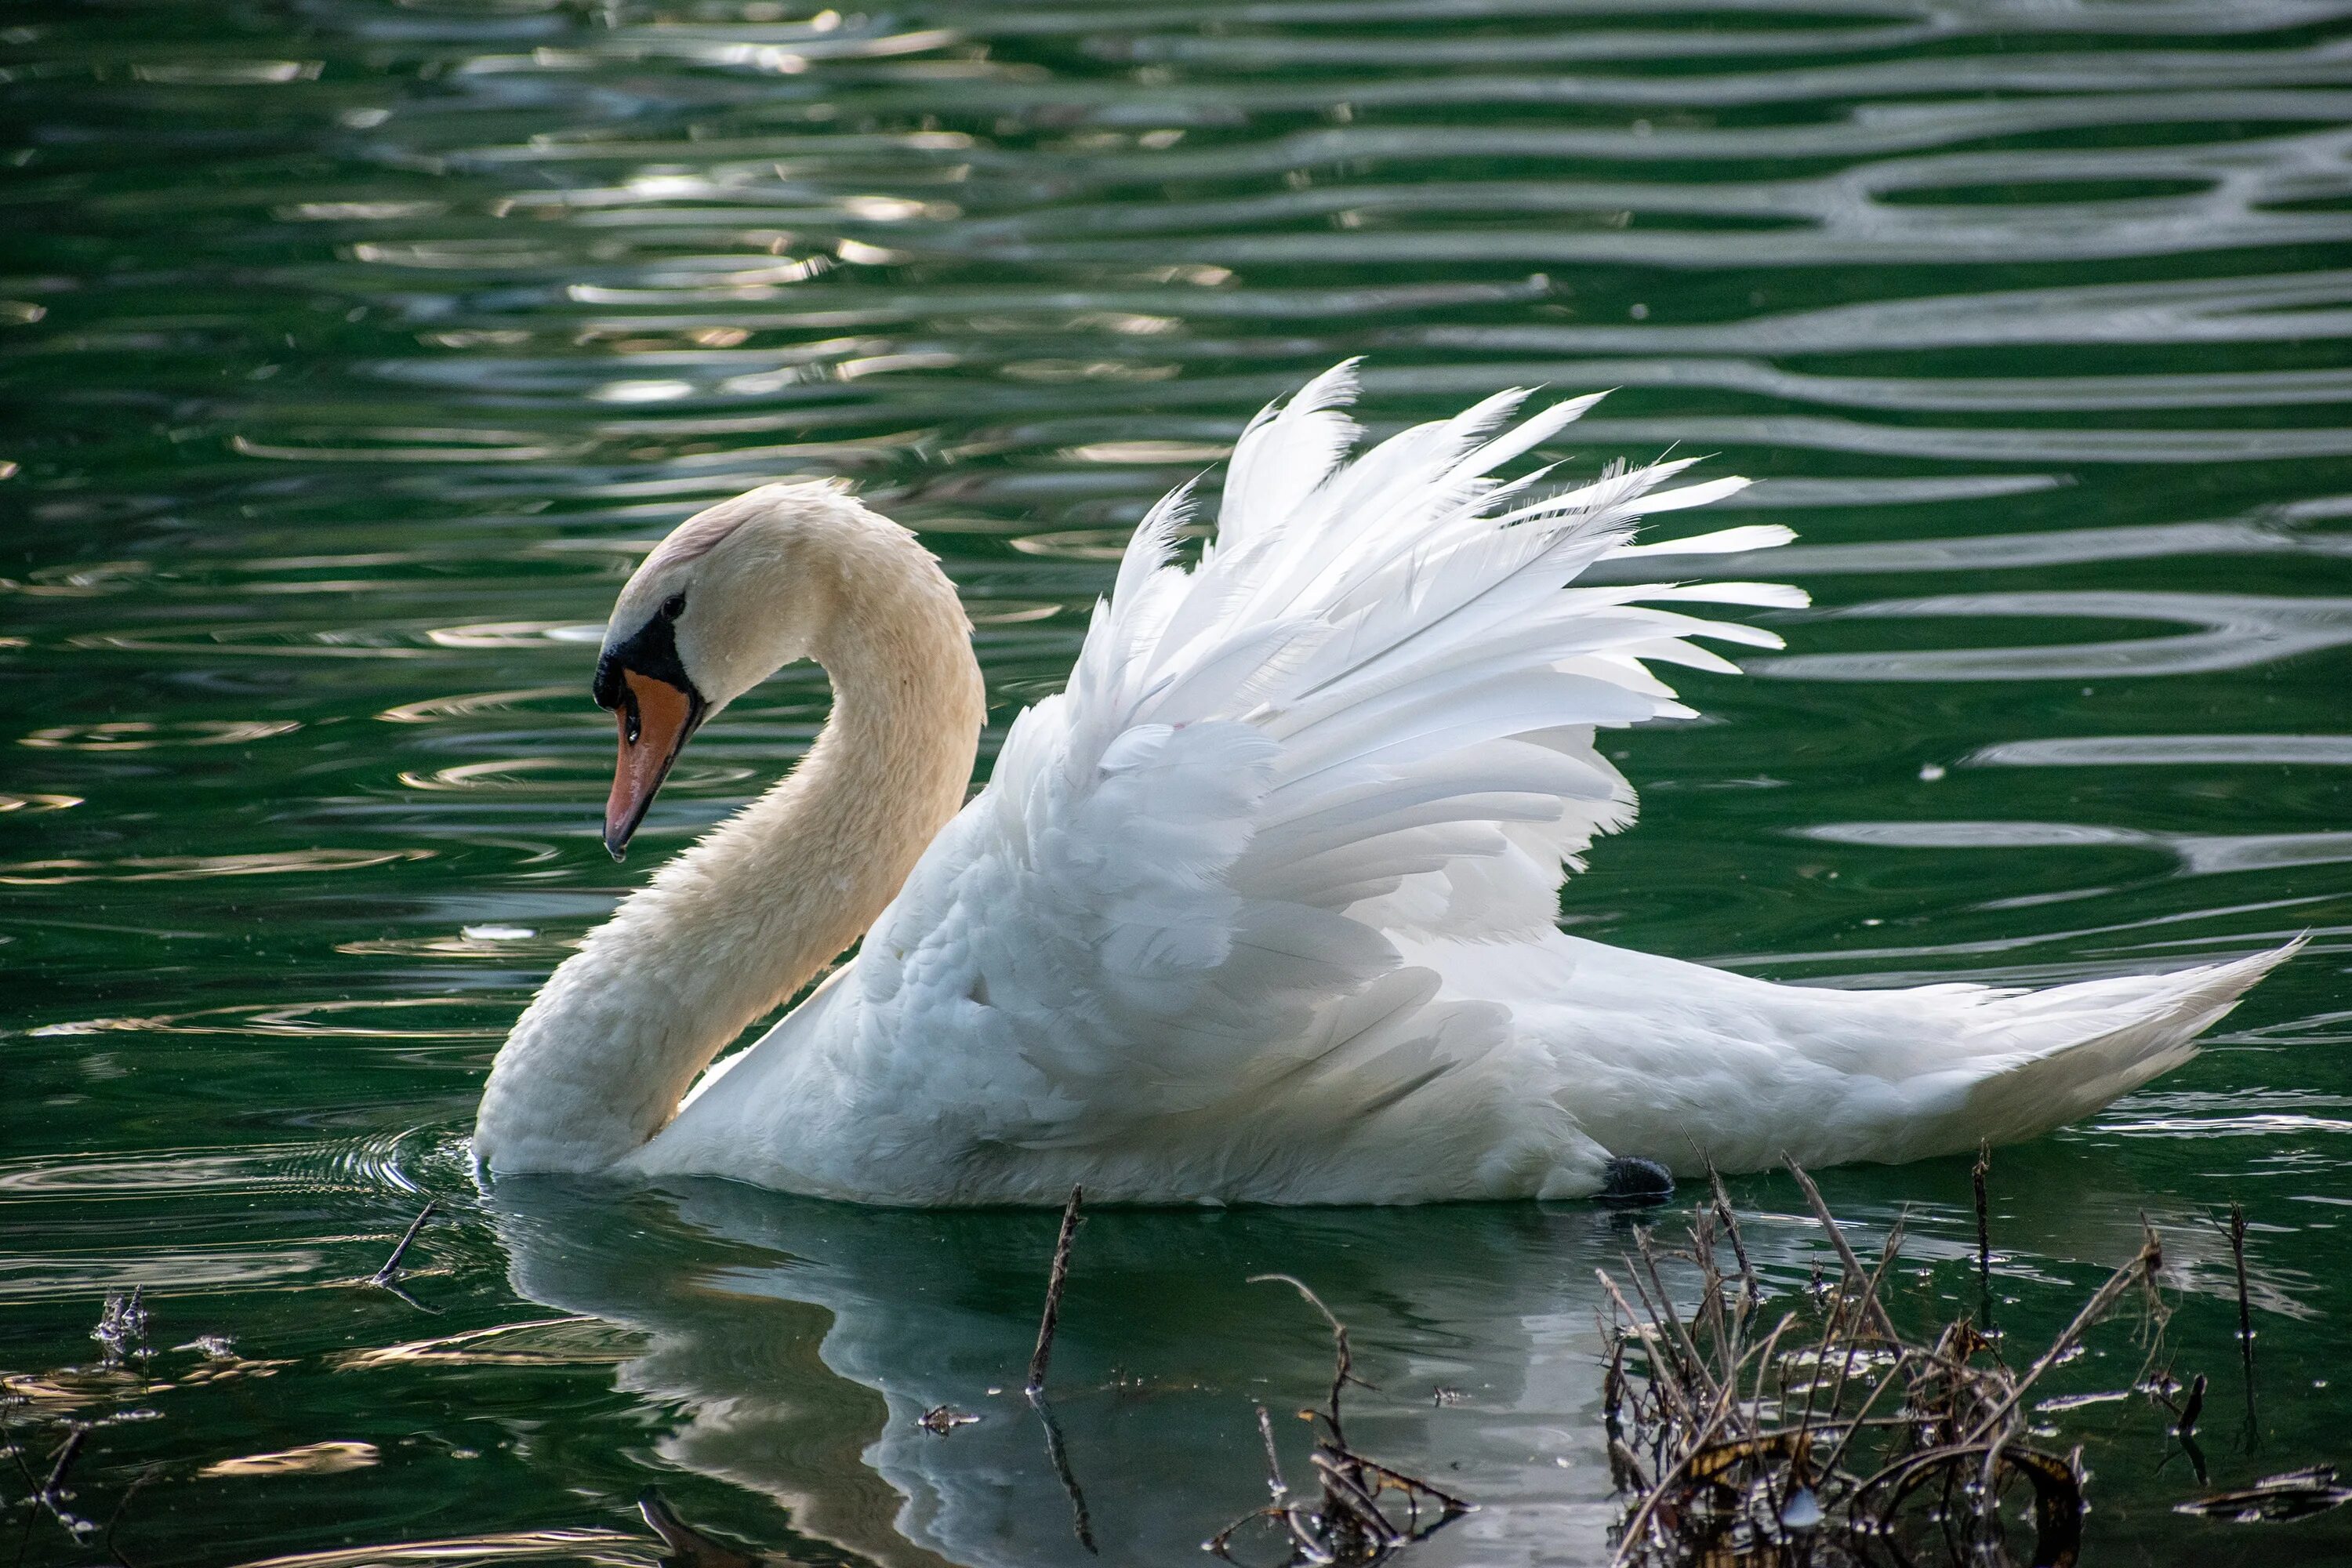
654, 719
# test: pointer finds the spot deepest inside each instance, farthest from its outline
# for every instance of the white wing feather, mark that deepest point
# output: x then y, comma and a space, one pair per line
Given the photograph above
1367, 712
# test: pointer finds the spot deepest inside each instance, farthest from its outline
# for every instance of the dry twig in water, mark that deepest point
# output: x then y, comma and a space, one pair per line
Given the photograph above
1853, 1445
1346, 1522
391, 1269
1057, 1451
2238, 1258
1042, 1357
1984, 1230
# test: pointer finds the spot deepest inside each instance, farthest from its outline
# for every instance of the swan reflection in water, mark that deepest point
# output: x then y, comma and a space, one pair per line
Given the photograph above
797, 1345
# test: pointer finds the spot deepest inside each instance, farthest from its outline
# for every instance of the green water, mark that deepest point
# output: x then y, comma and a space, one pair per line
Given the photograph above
353, 348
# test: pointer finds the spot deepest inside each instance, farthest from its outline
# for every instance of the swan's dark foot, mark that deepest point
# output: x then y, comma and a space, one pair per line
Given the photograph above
1629, 1179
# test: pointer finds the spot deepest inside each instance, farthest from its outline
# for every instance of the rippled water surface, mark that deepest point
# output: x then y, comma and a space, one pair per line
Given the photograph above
354, 349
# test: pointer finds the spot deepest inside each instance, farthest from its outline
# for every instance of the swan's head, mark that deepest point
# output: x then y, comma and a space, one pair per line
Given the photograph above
723, 603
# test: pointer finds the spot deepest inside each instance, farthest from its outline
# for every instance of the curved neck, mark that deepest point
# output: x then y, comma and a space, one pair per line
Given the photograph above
727, 930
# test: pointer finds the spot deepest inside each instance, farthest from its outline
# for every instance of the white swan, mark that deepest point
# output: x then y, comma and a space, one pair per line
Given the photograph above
1260, 909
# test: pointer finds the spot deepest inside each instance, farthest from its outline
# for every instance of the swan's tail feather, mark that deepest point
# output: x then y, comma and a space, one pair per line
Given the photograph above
2145, 1026
1687, 1064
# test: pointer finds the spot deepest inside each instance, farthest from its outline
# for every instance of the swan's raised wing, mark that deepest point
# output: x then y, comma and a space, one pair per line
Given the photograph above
1368, 713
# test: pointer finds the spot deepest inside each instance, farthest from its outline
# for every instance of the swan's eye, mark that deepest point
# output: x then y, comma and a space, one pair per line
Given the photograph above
673, 607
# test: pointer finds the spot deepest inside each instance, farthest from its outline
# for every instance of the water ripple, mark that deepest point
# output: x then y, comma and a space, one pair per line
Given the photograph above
2167, 750
199, 867
2238, 631
2261, 534
2200, 855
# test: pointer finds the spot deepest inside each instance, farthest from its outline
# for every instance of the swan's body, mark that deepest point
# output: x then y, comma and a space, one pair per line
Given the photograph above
1260, 909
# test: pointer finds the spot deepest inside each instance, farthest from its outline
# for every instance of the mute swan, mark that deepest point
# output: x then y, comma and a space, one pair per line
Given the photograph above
1260, 909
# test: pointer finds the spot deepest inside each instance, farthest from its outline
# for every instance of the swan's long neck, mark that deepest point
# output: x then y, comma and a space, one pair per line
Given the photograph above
751, 913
